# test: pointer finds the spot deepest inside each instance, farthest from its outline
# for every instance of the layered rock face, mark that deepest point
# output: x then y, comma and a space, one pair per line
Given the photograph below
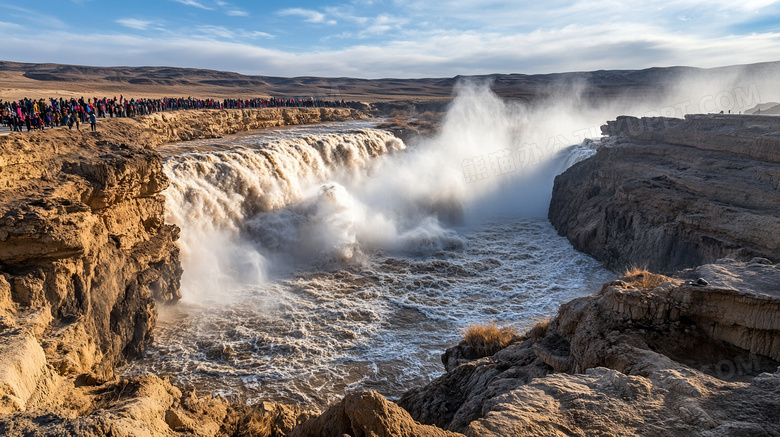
678, 359
84, 254
669, 194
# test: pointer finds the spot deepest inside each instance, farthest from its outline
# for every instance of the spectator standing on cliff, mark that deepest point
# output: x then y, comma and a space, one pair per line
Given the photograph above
92, 121
74, 120
37, 122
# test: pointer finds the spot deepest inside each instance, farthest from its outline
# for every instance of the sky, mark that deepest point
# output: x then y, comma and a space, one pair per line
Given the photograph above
392, 38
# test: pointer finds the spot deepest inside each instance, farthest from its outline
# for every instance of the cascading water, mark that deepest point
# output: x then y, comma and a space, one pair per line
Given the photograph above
226, 201
337, 260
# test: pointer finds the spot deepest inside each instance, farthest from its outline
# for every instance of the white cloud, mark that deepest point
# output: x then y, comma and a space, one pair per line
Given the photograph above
445, 54
222, 32
382, 24
194, 3
134, 23
36, 18
10, 26
230, 10
308, 15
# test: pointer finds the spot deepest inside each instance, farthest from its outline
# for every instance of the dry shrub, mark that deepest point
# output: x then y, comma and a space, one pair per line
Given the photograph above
641, 278
488, 339
539, 330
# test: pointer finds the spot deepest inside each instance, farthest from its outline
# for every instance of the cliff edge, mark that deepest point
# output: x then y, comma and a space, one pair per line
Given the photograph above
669, 194
170, 127
84, 255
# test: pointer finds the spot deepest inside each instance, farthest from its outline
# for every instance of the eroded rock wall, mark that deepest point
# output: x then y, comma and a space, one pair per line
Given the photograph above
669, 194
84, 254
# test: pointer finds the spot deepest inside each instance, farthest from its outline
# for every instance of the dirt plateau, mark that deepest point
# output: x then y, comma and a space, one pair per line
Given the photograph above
86, 258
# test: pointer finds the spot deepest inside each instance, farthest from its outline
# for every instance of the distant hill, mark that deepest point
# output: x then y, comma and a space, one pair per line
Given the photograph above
771, 108
19, 79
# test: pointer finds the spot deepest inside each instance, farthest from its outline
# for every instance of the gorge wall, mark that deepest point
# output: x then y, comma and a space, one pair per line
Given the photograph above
674, 359
84, 254
669, 194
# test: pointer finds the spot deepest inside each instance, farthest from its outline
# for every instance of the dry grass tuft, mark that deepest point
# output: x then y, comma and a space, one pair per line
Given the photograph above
488, 339
539, 330
641, 278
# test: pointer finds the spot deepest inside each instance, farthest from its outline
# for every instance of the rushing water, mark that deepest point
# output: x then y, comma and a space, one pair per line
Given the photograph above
323, 259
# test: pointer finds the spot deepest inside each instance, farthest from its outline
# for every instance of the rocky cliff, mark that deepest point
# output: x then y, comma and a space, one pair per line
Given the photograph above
670, 194
648, 355
84, 253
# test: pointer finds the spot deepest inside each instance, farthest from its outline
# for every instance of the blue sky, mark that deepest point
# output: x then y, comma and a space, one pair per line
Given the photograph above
394, 38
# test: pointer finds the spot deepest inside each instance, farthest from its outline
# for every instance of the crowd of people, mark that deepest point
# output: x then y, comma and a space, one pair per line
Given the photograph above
49, 113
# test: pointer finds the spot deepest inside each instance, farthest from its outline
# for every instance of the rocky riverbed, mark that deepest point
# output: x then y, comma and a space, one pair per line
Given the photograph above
86, 259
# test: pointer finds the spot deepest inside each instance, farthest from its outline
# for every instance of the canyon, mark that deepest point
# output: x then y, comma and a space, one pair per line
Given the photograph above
87, 259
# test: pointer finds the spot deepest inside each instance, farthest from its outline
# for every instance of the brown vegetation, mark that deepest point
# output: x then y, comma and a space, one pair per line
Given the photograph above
641, 278
539, 330
488, 339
